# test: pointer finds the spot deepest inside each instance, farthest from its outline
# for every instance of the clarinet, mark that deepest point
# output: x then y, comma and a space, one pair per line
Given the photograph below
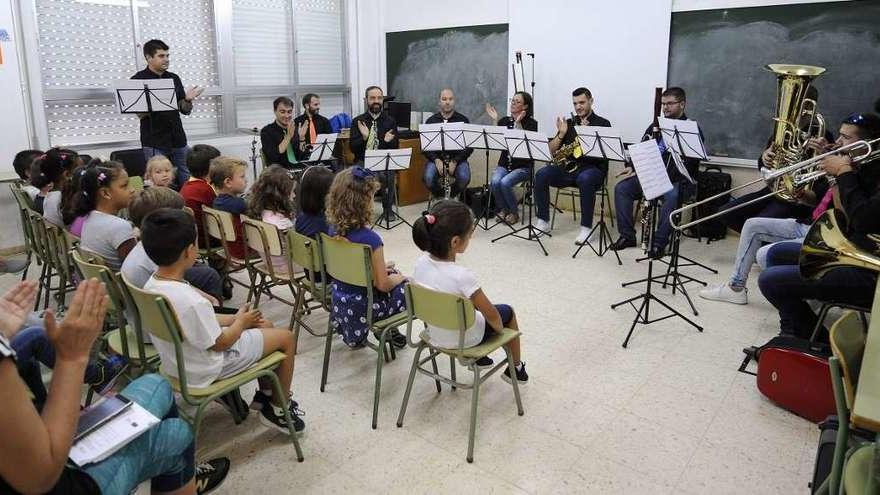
646, 210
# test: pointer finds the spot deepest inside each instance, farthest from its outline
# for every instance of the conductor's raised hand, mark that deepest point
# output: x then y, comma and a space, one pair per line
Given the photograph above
15, 306
194, 92
74, 336
493, 114
365, 131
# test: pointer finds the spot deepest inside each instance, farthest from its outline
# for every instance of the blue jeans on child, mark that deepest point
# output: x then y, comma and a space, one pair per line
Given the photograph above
164, 454
177, 157
462, 176
503, 181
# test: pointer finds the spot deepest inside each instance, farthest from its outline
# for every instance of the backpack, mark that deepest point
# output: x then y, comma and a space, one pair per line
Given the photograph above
710, 182
340, 121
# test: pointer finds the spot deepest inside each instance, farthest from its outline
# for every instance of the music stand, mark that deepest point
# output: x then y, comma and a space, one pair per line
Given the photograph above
535, 147
605, 143
147, 96
485, 137
322, 148
443, 137
388, 161
654, 180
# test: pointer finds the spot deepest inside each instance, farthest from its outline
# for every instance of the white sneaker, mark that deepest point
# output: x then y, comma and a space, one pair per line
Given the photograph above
582, 235
724, 293
543, 225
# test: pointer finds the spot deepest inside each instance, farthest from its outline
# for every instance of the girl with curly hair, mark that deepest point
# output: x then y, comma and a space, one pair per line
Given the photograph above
270, 201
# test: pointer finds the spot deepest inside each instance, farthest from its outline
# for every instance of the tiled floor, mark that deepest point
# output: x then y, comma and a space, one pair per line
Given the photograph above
670, 414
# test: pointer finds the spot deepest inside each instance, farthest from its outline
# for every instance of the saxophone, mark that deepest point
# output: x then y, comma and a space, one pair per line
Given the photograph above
563, 157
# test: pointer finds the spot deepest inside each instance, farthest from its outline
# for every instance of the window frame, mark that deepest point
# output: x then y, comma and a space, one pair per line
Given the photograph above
227, 90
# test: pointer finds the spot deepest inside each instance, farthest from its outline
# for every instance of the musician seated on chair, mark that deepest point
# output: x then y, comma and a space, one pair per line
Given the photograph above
453, 164
375, 129
511, 171
308, 125
758, 231
588, 174
277, 138
859, 195
629, 190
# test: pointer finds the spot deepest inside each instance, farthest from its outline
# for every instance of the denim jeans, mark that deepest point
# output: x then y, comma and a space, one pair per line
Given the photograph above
503, 181
783, 253
164, 454
205, 278
32, 347
788, 292
767, 208
177, 157
462, 176
628, 191
755, 233
588, 180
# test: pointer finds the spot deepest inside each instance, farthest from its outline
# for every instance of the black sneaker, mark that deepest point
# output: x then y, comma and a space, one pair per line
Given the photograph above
272, 420
261, 399
484, 362
521, 376
397, 339
233, 402
210, 474
622, 243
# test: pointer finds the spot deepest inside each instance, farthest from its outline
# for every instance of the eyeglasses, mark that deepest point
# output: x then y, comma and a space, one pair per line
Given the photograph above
670, 103
514, 100
855, 119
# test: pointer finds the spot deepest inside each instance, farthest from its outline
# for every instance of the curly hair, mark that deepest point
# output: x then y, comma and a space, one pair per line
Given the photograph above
271, 192
350, 201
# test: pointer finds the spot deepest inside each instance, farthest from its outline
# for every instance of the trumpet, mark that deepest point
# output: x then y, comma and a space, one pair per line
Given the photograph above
802, 174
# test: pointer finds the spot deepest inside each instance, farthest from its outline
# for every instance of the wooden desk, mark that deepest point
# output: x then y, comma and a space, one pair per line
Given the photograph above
410, 188
866, 408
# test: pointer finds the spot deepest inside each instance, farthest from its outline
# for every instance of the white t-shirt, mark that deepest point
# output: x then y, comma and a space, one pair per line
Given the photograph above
52, 208
446, 276
30, 190
200, 331
282, 222
103, 233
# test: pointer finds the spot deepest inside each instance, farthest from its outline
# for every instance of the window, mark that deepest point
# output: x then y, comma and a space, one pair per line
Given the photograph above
272, 48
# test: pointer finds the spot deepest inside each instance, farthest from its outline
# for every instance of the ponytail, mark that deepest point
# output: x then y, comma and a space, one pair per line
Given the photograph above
91, 180
433, 231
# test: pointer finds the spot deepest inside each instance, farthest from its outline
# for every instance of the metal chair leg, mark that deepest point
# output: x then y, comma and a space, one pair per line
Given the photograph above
475, 400
377, 387
279, 392
436, 372
327, 343
452, 370
513, 381
409, 383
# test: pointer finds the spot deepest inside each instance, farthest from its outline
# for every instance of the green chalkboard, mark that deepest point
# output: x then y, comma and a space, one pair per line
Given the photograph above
718, 56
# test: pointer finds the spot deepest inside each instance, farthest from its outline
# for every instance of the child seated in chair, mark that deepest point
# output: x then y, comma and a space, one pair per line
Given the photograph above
227, 175
196, 191
215, 346
443, 233
271, 200
349, 210
160, 172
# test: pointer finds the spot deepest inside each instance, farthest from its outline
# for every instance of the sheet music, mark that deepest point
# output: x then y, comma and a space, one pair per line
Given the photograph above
113, 435
679, 164
688, 134
322, 148
451, 138
590, 138
494, 139
131, 97
650, 169
538, 145
375, 160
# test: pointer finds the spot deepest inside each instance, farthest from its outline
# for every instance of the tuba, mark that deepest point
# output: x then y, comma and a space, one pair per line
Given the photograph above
796, 112
826, 247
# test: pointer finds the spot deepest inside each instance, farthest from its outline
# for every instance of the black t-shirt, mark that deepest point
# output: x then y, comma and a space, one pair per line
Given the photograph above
528, 124
72, 480
270, 137
384, 123
571, 134
166, 130
458, 156
691, 164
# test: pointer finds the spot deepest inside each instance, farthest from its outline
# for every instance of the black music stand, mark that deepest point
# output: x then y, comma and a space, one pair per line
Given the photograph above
600, 142
485, 137
149, 96
643, 310
254, 132
443, 138
530, 145
388, 161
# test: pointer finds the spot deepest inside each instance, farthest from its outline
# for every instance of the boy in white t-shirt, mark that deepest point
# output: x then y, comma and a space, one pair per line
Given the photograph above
443, 233
215, 346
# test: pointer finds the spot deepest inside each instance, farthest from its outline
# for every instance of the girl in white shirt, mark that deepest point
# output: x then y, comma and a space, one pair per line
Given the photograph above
443, 233
271, 200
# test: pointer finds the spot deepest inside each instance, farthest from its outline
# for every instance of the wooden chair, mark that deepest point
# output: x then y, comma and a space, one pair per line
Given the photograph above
351, 263
158, 316
444, 310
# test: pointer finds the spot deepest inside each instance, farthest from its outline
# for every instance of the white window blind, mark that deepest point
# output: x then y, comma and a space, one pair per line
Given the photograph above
253, 111
88, 123
332, 103
262, 42
84, 44
187, 26
205, 117
319, 42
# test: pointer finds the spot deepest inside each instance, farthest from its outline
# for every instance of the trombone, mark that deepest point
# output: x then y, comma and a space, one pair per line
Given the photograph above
860, 151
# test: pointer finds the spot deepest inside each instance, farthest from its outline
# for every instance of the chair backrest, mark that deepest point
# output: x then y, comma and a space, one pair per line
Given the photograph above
304, 251
89, 269
90, 256
24, 203
848, 338
219, 224
40, 235
346, 261
60, 248
440, 309
262, 237
133, 160
136, 183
